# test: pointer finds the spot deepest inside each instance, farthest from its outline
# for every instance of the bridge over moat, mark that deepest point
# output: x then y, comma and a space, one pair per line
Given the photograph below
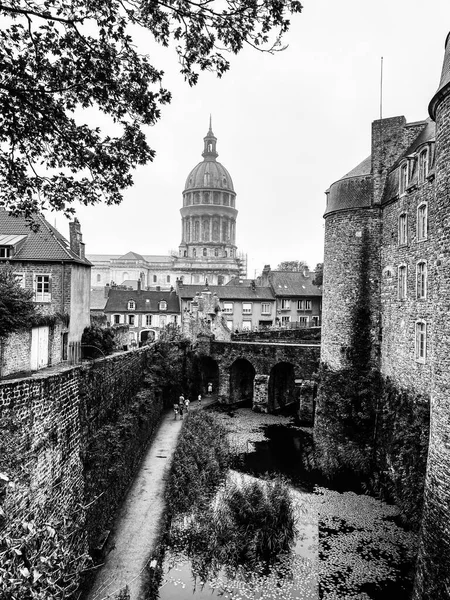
264, 375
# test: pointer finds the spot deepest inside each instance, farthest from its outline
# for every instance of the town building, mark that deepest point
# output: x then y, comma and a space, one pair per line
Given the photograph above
387, 258
59, 275
298, 299
207, 251
145, 312
243, 307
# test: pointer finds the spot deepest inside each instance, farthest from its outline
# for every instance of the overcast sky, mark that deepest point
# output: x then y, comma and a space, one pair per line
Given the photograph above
287, 126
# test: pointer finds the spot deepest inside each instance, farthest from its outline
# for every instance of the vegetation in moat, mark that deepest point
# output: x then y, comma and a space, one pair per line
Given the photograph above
216, 521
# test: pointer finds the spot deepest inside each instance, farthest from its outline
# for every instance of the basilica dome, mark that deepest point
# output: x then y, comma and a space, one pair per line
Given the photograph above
209, 174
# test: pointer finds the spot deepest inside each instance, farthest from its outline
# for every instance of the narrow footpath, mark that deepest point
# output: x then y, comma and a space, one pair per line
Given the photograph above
134, 534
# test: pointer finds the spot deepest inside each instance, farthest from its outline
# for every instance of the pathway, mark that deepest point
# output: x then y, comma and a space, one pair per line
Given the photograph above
136, 526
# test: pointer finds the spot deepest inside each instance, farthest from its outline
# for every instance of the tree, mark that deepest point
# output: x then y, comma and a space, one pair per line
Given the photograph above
293, 265
60, 58
17, 309
318, 275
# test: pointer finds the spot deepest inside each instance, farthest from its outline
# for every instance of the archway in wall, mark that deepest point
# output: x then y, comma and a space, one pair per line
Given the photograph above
281, 386
208, 373
242, 374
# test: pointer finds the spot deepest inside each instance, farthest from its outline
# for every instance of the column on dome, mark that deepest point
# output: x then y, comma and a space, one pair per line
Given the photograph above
225, 230
220, 229
191, 236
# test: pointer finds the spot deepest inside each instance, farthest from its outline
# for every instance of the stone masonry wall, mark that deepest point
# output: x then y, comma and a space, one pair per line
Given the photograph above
59, 413
433, 573
351, 253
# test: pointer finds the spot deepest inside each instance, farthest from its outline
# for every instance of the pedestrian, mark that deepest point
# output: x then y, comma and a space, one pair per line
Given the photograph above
182, 403
176, 408
209, 389
186, 403
199, 399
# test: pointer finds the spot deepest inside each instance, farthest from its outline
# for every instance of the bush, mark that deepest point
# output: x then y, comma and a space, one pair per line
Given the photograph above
97, 341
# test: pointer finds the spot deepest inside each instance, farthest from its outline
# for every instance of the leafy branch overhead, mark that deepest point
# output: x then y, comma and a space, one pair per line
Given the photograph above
59, 58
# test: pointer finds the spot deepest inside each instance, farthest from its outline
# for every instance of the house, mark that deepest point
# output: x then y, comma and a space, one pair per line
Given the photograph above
298, 300
59, 275
146, 312
243, 307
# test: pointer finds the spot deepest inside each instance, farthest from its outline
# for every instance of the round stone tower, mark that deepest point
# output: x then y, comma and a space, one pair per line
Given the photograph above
433, 571
209, 214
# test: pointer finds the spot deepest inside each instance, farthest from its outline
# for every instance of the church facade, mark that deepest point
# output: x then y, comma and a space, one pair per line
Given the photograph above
207, 252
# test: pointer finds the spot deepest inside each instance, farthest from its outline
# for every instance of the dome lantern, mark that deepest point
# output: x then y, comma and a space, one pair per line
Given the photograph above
210, 141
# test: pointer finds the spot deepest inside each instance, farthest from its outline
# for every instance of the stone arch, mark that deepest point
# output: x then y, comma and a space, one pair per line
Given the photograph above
147, 335
242, 375
281, 386
208, 372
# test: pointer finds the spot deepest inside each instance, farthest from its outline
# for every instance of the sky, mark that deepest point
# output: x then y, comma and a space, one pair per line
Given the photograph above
288, 125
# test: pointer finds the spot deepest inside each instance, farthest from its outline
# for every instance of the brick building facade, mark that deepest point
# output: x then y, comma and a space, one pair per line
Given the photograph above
387, 252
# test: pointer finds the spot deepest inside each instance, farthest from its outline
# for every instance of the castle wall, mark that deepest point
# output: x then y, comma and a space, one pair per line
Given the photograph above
433, 573
351, 259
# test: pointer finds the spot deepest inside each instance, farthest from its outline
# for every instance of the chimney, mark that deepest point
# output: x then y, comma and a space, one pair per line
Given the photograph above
139, 285
158, 288
107, 288
76, 243
265, 275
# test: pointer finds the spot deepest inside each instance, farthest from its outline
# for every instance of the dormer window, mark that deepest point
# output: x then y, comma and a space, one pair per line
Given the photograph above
163, 305
403, 184
423, 165
131, 305
5, 251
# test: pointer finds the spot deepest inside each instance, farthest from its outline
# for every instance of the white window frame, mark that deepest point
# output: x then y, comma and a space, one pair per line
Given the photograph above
403, 229
113, 319
402, 281
5, 251
246, 325
421, 280
131, 305
20, 278
228, 308
148, 320
134, 318
265, 308
162, 305
285, 319
230, 324
42, 297
421, 341
423, 165
300, 305
247, 308
285, 304
307, 304
303, 319
422, 231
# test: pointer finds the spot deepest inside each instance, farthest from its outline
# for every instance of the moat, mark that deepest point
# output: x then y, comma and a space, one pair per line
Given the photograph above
348, 544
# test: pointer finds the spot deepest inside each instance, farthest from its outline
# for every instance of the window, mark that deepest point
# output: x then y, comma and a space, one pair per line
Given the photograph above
402, 229
423, 165
155, 279
303, 321
131, 320
285, 321
99, 278
5, 251
216, 251
168, 278
422, 221
403, 178
421, 341
402, 273
194, 252
148, 320
131, 305
42, 292
163, 305
285, 304
246, 325
421, 280
230, 324
204, 251
116, 319
246, 308
265, 308
304, 305
227, 307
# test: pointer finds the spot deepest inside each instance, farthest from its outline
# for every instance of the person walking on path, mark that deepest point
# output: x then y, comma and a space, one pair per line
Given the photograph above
182, 403
176, 408
199, 399
186, 403
209, 389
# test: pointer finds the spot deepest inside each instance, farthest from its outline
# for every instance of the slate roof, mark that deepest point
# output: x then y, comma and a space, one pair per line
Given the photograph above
364, 168
46, 244
293, 283
132, 256
146, 301
444, 84
228, 292
95, 258
98, 299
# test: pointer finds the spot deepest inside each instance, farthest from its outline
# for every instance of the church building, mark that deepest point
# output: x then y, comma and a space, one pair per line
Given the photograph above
207, 252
